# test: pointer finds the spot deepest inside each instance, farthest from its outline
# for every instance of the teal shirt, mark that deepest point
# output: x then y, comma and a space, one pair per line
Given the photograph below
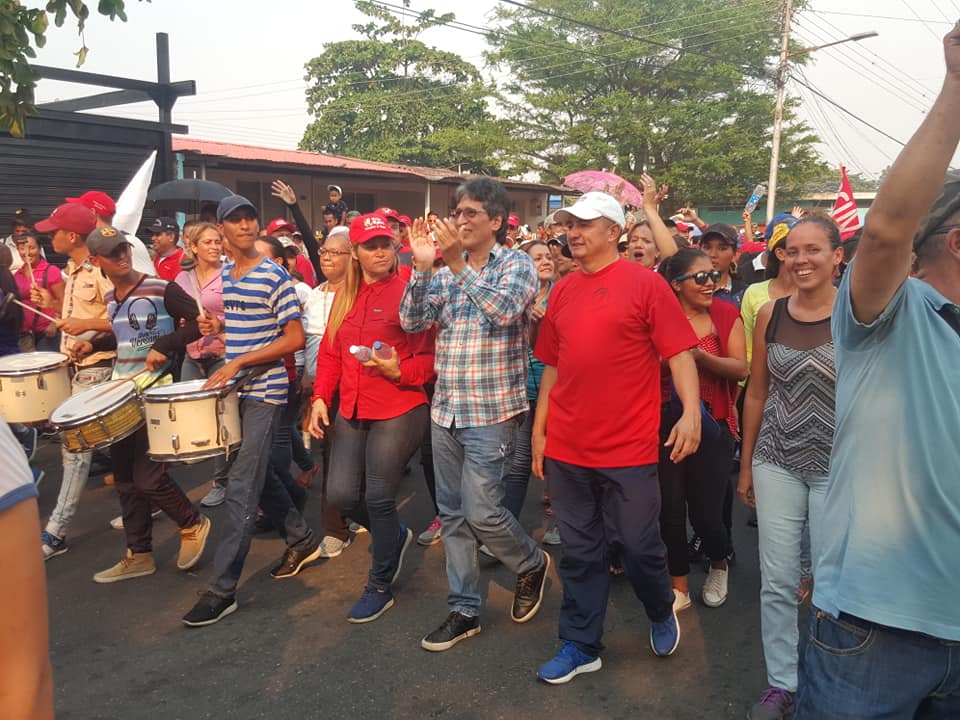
891, 520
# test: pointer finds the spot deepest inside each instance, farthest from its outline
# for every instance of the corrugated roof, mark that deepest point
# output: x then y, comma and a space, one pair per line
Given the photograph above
256, 153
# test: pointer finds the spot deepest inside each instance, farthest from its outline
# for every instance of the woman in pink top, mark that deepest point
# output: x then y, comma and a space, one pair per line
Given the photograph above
206, 355
36, 333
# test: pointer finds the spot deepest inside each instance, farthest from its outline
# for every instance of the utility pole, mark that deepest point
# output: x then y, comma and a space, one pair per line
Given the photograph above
778, 112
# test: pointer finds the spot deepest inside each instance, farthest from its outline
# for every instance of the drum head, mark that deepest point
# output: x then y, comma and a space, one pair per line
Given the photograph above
31, 362
185, 390
93, 402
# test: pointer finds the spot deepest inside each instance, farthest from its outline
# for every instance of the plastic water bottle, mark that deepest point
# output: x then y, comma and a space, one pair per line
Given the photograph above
758, 192
382, 350
361, 352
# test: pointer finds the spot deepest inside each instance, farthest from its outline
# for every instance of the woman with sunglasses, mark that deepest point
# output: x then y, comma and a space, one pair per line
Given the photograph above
383, 406
698, 484
788, 423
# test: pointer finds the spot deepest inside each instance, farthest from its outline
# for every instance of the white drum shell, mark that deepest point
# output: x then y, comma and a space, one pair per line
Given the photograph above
185, 424
30, 395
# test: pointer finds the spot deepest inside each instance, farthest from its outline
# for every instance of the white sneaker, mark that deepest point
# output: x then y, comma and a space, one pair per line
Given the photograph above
356, 528
117, 522
552, 536
215, 497
484, 550
331, 547
715, 588
681, 600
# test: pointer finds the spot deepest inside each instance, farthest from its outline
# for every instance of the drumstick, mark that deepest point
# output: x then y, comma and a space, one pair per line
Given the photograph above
111, 384
33, 283
12, 298
189, 263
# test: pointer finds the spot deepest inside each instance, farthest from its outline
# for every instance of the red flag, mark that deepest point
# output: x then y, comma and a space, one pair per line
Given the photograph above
845, 208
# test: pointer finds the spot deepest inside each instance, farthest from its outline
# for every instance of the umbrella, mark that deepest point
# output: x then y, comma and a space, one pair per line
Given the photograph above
187, 194
598, 180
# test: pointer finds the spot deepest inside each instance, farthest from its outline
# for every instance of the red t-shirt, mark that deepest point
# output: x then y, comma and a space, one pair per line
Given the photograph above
168, 267
605, 332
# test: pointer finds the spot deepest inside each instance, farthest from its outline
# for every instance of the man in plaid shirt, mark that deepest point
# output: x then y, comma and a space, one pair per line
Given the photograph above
481, 303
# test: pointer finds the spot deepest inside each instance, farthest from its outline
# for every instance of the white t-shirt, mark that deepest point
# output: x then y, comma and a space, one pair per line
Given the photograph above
16, 480
316, 310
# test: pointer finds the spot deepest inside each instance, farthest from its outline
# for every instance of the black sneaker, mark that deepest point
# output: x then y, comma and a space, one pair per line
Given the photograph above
209, 609
455, 628
293, 560
529, 593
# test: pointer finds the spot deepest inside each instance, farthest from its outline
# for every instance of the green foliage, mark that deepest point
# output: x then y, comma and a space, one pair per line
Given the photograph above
687, 96
22, 29
393, 98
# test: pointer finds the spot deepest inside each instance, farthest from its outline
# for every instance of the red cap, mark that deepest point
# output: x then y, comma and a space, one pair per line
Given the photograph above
388, 213
367, 227
405, 220
280, 224
69, 216
513, 221
98, 201
683, 227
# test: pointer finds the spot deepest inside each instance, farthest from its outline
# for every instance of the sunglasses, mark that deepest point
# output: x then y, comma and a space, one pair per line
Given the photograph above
700, 278
469, 213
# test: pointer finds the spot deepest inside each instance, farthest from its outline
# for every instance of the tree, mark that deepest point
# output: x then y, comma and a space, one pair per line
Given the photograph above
390, 97
22, 29
686, 94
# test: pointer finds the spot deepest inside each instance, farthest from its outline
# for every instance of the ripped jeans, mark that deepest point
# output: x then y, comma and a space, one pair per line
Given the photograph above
471, 464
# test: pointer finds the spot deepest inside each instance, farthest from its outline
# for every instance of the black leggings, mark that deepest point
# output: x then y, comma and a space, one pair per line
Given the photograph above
699, 485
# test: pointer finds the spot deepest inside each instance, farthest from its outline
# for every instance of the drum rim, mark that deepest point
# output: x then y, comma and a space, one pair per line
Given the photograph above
112, 440
74, 422
195, 455
40, 368
153, 394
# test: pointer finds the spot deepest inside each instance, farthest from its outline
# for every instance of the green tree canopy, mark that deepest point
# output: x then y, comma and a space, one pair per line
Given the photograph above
393, 98
680, 89
22, 29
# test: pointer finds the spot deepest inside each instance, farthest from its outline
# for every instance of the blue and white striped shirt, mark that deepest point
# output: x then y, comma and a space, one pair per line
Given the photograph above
257, 306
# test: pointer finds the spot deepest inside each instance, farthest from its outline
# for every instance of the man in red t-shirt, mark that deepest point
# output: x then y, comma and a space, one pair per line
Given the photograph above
596, 428
164, 233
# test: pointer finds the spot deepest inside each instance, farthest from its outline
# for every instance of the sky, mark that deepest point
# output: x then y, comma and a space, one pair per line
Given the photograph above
248, 63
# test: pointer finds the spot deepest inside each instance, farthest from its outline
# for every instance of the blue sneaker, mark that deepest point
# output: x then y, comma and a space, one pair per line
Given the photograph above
665, 636
371, 605
29, 443
52, 545
568, 663
406, 537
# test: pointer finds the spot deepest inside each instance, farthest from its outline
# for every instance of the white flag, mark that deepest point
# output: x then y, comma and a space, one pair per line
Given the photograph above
130, 210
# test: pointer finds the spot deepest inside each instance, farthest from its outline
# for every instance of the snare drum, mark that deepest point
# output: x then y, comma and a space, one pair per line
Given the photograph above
188, 424
99, 416
32, 385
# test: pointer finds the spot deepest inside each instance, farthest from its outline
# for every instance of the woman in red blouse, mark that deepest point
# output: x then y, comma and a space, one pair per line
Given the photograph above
699, 484
383, 408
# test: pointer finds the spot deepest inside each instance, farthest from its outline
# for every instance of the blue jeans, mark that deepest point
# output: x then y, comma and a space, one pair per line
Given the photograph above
853, 669
786, 502
517, 480
366, 468
594, 506
248, 482
76, 466
470, 465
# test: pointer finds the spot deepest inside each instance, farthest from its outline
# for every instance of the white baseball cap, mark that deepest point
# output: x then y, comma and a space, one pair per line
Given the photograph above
593, 205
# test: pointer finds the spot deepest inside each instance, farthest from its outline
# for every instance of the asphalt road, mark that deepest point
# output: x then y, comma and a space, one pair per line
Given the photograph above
120, 651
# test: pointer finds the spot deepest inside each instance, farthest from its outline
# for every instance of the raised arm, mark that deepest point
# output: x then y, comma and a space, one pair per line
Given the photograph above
885, 252
662, 237
288, 197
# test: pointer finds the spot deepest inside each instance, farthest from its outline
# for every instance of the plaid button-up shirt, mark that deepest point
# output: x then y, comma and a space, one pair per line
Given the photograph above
483, 320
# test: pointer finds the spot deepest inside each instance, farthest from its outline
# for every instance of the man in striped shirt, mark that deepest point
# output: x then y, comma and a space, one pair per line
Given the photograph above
481, 304
262, 325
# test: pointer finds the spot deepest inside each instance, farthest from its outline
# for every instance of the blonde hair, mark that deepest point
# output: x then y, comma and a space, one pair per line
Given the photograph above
193, 230
345, 298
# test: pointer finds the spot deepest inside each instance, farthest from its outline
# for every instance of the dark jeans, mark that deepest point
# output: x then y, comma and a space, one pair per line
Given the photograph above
853, 669
281, 454
369, 456
248, 482
301, 456
426, 456
630, 498
518, 478
142, 483
698, 485
331, 518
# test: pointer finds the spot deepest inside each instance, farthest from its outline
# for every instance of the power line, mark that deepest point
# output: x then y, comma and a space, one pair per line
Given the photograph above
848, 112
878, 17
917, 16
